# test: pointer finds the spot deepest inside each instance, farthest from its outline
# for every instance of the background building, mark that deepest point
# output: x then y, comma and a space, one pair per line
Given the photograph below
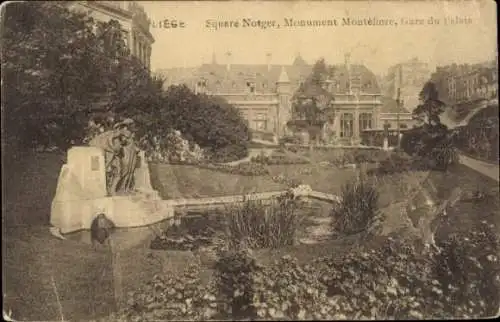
467, 87
132, 18
263, 93
410, 77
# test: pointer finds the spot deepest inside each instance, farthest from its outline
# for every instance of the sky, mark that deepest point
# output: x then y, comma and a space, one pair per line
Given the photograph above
378, 47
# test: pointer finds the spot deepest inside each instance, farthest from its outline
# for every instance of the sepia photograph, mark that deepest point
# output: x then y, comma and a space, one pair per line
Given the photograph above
250, 160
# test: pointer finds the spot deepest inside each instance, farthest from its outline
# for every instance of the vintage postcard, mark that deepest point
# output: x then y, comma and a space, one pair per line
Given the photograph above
250, 160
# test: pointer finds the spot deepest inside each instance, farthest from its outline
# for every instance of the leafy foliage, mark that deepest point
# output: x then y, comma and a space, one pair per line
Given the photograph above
170, 297
278, 158
358, 207
234, 282
386, 279
211, 122
62, 70
480, 137
430, 106
311, 101
261, 225
58, 69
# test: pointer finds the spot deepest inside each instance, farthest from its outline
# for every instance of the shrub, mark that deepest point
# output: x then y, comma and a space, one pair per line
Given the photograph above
234, 282
468, 267
264, 225
358, 207
444, 154
394, 279
171, 297
278, 158
287, 290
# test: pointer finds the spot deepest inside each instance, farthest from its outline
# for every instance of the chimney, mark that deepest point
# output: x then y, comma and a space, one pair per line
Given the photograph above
268, 61
228, 61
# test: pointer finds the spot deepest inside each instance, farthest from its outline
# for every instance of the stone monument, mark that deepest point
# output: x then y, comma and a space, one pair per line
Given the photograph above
98, 180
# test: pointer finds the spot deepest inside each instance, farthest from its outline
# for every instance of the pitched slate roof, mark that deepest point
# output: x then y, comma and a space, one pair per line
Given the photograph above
236, 79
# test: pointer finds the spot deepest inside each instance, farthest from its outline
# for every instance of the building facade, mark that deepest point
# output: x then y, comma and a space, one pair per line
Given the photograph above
467, 85
132, 18
263, 93
409, 78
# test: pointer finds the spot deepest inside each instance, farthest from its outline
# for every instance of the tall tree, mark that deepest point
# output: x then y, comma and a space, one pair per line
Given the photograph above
61, 69
311, 101
430, 106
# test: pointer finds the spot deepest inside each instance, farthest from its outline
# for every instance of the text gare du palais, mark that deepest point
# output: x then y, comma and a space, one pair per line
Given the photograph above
293, 22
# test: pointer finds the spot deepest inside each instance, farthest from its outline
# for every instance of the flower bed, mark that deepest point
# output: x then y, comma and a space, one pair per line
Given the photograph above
278, 158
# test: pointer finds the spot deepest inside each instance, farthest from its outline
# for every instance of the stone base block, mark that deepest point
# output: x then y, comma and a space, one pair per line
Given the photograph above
124, 211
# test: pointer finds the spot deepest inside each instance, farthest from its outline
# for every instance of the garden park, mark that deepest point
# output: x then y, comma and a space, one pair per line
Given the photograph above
408, 233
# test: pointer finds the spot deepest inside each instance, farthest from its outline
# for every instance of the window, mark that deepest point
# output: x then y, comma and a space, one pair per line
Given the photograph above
365, 121
260, 122
346, 125
403, 126
251, 87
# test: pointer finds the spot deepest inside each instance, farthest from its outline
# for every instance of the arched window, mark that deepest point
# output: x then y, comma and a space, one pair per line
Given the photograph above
365, 121
346, 125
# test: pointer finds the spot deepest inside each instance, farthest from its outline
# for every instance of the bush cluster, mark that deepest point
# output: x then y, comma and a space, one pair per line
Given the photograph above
480, 137
278, 159
358, 207
434, 145
170, 297
396, 162
263, 224
395, 279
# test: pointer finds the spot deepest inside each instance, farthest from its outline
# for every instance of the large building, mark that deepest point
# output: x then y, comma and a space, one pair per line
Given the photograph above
132, 18
409, 77
467, 87
264, 93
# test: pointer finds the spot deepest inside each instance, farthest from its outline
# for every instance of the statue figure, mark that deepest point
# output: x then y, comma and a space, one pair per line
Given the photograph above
120, 154
129, 160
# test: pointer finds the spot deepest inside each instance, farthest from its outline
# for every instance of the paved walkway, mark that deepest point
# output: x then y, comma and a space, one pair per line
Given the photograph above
487, 169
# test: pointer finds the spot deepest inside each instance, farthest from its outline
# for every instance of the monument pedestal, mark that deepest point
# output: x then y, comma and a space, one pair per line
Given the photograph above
81, 195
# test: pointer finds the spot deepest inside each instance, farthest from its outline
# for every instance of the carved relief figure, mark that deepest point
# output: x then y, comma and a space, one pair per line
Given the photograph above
120, 153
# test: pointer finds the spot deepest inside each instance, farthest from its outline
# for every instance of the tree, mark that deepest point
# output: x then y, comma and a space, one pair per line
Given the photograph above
209, 121
62, 69
311, 101
430, 106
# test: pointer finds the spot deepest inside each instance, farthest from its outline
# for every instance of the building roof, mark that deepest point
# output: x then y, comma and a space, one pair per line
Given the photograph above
235, 78
389, 105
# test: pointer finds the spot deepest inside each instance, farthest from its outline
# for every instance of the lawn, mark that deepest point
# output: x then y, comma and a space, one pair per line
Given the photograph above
186, 181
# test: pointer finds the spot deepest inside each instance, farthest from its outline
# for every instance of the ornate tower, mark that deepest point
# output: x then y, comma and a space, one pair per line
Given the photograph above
284, 108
